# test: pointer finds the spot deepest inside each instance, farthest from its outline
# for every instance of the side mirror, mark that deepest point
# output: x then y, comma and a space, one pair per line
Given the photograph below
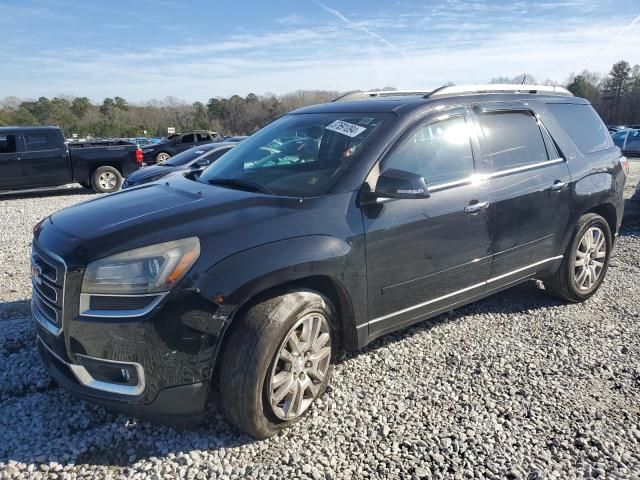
394, 183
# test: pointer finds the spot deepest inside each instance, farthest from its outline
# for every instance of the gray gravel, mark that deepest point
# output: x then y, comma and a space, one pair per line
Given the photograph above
516, 386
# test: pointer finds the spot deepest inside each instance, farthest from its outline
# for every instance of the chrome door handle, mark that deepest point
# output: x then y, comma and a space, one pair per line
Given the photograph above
558, 185
476, 207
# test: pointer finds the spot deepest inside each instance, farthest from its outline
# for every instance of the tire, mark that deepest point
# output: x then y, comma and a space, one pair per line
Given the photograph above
106, 179
251, 362
566, 282
162, 156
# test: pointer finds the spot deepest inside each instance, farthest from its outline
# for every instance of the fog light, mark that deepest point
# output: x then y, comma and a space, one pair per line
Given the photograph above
109, 371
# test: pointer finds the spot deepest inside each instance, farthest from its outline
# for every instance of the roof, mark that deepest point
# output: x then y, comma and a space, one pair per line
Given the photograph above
410, 101
368, 105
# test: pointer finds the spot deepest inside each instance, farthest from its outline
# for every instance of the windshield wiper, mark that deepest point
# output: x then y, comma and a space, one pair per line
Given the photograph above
240, 184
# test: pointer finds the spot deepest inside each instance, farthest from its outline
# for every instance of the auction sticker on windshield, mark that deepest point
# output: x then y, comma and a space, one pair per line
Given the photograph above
345, 128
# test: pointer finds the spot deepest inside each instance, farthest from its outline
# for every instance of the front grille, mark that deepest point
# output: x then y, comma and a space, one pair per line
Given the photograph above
107, 302
47, 277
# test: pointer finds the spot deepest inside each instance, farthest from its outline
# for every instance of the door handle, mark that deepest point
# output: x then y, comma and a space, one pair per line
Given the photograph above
476, 207
558, 185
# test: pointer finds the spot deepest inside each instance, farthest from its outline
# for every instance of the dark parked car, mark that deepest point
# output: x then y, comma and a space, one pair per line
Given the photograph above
243, 284
628, 141
159, 152
38, 157
192, 161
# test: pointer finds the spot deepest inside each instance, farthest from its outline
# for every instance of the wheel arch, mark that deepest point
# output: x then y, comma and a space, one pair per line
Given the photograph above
323, 284
110, 163
609, 213
326, 286
319, 263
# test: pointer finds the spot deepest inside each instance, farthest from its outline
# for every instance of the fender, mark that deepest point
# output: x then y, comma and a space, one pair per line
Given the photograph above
240, 277
597, 191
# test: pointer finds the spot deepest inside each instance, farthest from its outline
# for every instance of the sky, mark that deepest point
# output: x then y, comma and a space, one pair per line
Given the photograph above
146, 49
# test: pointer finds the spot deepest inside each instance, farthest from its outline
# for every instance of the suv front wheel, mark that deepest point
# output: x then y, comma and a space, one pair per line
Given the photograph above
585, 262
276, 361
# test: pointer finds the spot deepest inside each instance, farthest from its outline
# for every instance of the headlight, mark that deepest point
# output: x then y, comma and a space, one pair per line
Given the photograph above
151, 269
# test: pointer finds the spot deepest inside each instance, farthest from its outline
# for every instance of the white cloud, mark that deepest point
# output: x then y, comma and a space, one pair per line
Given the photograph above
293, 19
357, 26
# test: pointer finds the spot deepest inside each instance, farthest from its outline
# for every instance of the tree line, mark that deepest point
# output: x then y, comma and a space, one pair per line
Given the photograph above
116, 117
616, 97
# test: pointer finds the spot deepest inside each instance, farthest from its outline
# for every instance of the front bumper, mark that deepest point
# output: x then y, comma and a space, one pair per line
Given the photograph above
166, 357
182, 404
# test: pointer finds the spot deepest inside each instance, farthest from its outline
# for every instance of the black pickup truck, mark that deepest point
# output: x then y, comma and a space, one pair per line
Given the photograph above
38, 157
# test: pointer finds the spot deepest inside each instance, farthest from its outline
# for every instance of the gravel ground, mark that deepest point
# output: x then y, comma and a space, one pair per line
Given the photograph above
516, 386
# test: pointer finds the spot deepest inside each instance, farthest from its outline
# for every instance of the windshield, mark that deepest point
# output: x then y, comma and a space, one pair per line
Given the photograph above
297, 155
185, 157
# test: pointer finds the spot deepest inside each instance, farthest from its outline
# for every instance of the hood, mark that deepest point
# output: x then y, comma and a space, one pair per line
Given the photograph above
163, 211
151, 173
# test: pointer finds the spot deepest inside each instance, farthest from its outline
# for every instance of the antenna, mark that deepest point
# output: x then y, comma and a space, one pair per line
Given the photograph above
437, 90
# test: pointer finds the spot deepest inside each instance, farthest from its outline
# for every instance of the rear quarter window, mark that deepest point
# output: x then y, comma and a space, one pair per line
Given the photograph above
36, 141
8, 143
583, 125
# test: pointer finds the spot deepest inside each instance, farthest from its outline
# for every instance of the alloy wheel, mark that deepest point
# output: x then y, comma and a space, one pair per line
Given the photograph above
301, 367
107, 180
590, 259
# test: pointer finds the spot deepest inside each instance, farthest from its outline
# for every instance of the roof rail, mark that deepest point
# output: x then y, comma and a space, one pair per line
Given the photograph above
498, 88
358, 94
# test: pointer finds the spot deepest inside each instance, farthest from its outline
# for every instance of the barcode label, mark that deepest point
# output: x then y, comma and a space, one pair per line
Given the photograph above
345, 128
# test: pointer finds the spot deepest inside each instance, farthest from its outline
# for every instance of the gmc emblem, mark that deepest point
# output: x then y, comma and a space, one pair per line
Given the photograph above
36, 273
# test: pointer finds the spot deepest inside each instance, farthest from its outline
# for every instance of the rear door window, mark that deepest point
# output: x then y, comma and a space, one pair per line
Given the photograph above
583, 125
8, 144
188, 138
38, 141
513, 139
203, 137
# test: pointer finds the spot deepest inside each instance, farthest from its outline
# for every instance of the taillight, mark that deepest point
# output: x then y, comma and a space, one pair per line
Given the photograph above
624, 161
139, 156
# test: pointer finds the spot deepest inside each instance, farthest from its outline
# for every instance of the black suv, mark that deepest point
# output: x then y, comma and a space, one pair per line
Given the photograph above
242, 285
160, 152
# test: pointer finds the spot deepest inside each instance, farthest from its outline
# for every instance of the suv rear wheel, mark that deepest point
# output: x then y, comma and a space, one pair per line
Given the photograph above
276, 361
585, 262
106, 179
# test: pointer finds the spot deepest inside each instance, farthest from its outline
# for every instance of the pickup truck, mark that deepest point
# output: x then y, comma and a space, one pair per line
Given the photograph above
39, 157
